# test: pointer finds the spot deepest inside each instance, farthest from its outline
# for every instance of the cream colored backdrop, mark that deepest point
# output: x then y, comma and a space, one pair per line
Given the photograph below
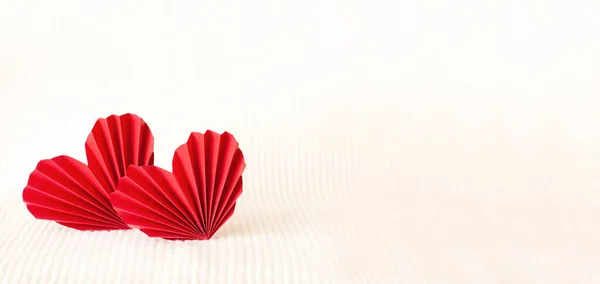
386, 141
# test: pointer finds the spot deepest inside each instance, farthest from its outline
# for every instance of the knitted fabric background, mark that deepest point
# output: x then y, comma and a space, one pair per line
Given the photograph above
385, 141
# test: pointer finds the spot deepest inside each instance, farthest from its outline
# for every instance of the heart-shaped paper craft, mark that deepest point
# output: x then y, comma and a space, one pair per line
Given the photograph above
76, 195
193, 201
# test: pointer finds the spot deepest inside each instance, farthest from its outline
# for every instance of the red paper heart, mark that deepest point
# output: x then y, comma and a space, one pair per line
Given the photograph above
193, 201
76, 195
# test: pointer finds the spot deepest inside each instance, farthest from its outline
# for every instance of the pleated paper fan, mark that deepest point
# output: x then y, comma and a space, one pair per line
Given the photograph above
114, 144
193, 201
76, 195
65, 190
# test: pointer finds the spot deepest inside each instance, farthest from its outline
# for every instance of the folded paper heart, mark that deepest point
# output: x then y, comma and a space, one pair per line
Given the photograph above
193, 201
121, 189
76, 195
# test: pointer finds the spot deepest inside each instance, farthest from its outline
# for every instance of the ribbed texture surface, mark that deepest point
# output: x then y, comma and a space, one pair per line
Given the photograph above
363, 197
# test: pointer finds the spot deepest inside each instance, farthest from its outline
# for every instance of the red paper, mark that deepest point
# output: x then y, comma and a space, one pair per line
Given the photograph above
76, 195
193, 201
